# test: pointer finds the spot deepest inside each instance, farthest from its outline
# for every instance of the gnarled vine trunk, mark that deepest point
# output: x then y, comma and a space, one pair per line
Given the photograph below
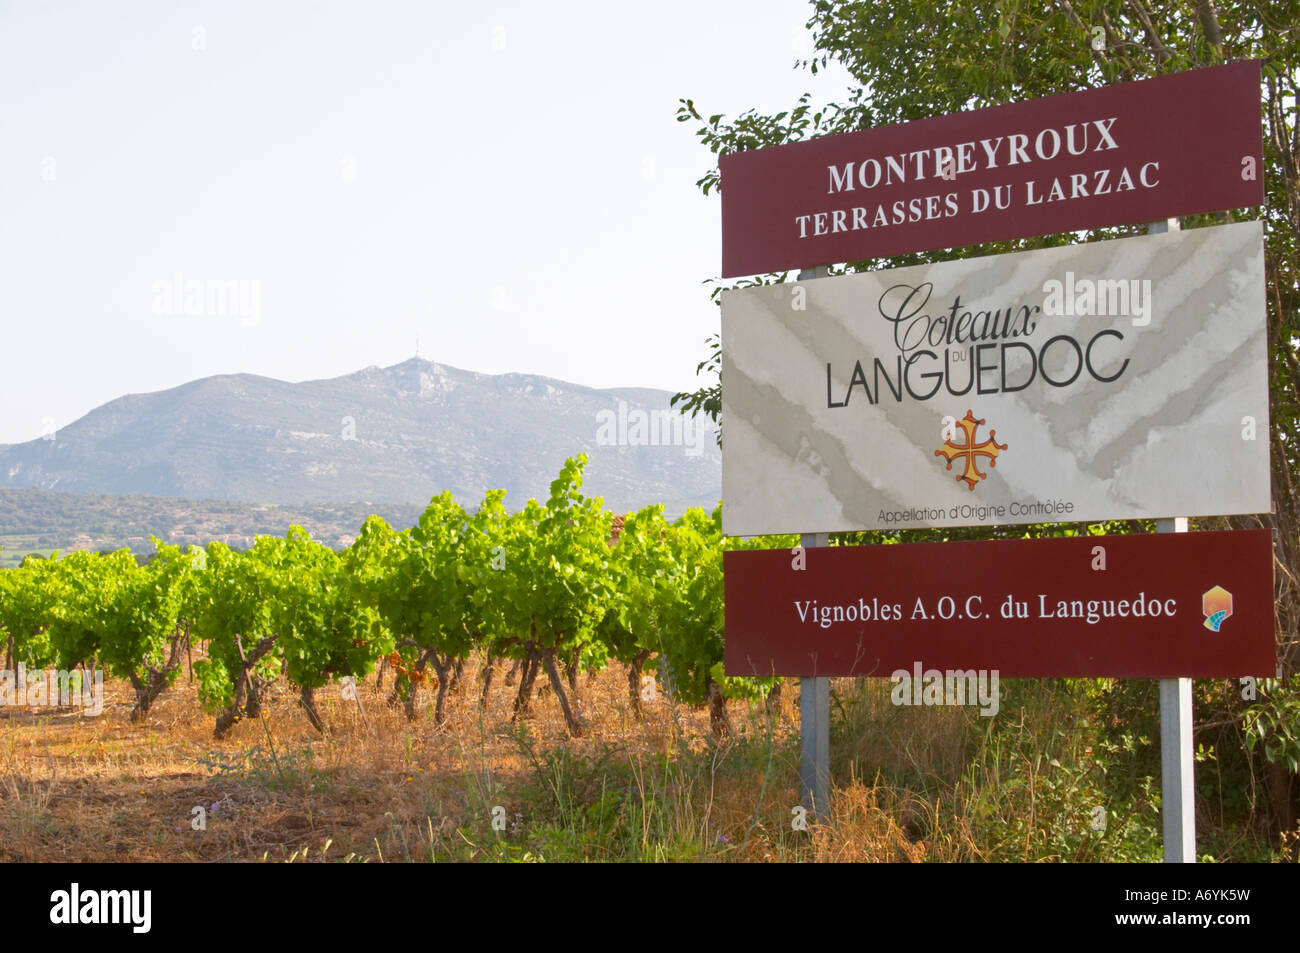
718, 722
307, 698
247, 689
523, 698
634, 671
571, 719
154, 681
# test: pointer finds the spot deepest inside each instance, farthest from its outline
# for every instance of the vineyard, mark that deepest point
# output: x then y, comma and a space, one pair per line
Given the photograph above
544, 591
548, 684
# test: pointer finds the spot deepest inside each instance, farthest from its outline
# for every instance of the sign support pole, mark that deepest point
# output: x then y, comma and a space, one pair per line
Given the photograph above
1177, 790
1177, 761
815, 698
815, 726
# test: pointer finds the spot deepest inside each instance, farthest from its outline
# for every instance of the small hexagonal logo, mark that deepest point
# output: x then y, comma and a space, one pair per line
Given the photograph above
1216, 606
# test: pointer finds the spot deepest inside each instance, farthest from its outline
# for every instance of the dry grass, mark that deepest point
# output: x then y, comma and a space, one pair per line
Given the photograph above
376, 787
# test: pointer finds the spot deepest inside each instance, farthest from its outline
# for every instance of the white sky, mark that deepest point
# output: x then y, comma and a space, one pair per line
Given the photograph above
522, 197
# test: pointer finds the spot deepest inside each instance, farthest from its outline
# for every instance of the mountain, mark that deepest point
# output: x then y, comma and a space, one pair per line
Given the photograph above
394, 435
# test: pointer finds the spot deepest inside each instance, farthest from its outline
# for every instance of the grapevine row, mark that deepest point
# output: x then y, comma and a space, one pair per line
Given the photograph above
545, 589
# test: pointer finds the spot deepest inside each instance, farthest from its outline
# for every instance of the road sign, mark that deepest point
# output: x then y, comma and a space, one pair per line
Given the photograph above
1142, 606
1131, 152
1111, 380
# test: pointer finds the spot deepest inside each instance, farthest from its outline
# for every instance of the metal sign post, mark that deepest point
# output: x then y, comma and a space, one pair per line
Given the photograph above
1177, 761
815, 726
815, 699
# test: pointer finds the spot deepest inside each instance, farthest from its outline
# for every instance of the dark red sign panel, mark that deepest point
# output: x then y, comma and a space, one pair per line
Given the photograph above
1142, 606
1132, 152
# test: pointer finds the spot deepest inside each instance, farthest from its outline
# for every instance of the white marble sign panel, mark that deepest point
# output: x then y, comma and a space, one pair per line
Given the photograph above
1125, 379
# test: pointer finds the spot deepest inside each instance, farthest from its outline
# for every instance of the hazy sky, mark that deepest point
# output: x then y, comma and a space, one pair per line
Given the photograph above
506, 182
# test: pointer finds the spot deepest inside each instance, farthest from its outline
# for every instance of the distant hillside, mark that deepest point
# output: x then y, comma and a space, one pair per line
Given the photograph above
41, 521
395, 435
